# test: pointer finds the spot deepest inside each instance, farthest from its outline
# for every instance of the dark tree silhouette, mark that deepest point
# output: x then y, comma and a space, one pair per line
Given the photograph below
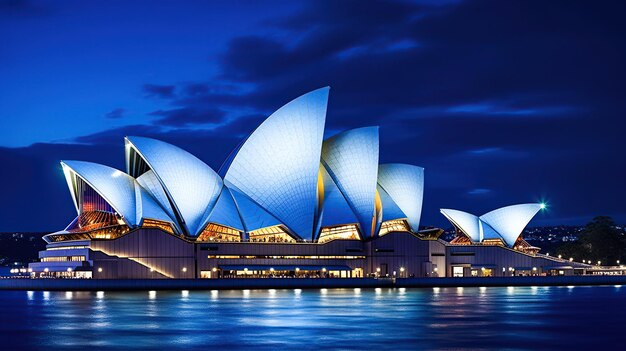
601, 240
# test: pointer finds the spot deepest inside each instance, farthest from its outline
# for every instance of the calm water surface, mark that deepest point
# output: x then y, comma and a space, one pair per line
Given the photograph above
381, 319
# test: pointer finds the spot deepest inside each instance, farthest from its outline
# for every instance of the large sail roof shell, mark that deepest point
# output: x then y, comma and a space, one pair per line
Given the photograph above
192, 187
278, 165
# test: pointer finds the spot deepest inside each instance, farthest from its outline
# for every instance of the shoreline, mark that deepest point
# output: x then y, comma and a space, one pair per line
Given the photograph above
297, 283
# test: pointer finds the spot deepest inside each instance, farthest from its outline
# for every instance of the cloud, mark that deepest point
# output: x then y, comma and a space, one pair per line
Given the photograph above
485, 151
181, 117
116, 135
115, 113
159, 91
479, 191
489, 109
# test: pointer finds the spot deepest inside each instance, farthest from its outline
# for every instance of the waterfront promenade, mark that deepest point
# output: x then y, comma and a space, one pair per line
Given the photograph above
298, 283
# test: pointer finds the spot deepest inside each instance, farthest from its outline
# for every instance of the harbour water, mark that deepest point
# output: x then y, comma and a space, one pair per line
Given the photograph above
368, 319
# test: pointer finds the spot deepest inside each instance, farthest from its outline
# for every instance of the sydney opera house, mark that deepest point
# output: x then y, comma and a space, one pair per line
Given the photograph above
285, 203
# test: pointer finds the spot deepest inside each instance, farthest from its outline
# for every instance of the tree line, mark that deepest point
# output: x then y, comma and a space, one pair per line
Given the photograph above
601, 240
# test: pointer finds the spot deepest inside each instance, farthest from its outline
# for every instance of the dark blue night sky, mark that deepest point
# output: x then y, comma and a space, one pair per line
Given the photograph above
502, 102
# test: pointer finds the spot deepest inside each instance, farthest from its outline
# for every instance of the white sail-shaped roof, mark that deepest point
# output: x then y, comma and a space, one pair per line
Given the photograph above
467, 222
225, 211
123, 193
149, 208
405, 184
351, 159
336, 210
510, 221
390, 208
151, 184
191, 186
506, 223
254, 216
487, 232
114, 186
278, 165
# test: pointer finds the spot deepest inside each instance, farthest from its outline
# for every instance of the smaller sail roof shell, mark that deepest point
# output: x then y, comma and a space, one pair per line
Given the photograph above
506, 223
510, 221
405, 184
466, 222
253, 216
390, 208
114, 186
336, 210
152, 185
351, 159
149, 208
225, 211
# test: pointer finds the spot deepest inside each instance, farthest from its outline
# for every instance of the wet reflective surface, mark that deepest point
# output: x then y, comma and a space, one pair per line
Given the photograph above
382, 319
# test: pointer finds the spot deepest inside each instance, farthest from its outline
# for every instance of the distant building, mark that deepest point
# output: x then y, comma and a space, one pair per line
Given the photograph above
286, 202
502, 227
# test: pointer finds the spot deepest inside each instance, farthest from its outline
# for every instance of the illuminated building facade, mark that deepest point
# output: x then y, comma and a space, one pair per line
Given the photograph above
286, 202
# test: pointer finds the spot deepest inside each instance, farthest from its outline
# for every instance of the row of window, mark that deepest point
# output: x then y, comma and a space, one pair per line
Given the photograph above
63, 259
66, 248
289, 257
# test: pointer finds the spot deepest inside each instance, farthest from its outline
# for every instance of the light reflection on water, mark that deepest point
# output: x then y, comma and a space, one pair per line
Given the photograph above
382, 318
